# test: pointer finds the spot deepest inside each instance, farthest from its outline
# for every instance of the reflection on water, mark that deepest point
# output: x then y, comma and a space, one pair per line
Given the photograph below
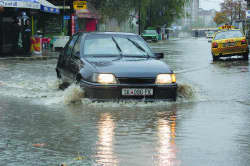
105, 152
166, 155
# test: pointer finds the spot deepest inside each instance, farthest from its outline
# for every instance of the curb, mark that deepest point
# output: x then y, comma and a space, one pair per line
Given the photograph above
31, 58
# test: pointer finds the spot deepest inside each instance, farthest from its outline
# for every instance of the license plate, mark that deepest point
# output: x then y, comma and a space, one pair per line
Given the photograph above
229, 44
137, 92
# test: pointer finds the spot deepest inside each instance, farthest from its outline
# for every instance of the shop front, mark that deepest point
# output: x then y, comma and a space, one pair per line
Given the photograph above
247, 28
19, 22
7, 36
87, 18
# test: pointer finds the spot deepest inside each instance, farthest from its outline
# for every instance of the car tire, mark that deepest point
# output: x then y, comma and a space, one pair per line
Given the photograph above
78, 78
64, 84
245, 56
58, 74
215, 58
174, 98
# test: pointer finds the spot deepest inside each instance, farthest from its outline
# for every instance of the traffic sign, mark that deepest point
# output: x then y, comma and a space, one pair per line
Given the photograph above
80, 4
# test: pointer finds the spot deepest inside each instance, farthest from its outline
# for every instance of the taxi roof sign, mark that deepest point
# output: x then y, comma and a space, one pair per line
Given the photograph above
227, 27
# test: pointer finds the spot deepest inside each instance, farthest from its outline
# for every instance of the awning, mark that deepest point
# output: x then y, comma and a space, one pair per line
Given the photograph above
48, 7
31, 4
43, 5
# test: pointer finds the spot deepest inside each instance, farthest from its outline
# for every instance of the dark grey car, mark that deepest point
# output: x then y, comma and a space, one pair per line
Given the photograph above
116, 66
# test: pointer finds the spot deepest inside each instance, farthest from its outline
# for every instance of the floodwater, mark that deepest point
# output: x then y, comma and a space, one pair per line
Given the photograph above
208, 125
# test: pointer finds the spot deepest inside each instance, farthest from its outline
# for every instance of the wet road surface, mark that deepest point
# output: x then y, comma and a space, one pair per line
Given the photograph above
209, 125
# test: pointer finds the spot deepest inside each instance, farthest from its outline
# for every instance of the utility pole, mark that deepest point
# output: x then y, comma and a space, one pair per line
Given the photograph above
150, 14
139, 19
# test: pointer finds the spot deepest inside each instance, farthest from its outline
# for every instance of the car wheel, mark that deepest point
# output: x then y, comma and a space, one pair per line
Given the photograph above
174, 98
245, 56
58, 74
78, 78
215, 58
63, 85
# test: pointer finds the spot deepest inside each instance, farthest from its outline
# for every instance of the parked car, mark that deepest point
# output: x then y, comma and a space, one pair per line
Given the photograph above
209, 36
150, 35
229, 42
116, 66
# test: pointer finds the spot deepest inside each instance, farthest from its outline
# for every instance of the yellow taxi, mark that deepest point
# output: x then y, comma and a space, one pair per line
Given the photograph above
229, 42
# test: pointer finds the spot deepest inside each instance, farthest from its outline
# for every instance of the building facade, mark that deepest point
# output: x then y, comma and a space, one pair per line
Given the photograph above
206, 17
191, 11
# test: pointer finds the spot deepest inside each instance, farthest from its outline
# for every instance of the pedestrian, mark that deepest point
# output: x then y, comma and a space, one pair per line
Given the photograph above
167, 32
158, 29
15, 33
26, 37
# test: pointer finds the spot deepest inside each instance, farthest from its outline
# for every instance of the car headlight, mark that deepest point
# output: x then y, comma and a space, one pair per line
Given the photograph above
165, 79
104, 78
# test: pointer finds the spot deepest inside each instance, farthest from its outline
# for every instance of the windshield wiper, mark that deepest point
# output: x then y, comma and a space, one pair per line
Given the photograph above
138, 46
118, 47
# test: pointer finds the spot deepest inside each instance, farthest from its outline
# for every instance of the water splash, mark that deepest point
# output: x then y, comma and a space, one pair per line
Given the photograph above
54, 84
185, 91
124, 104
74, 93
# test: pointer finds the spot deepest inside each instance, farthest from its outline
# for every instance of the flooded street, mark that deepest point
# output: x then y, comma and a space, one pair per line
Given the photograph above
208, 125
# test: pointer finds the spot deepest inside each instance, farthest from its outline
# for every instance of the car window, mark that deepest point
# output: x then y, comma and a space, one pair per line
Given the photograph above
210, 33
150, 31
100, 46
228, 34
143, 44
128, 45
77, 46
70, 45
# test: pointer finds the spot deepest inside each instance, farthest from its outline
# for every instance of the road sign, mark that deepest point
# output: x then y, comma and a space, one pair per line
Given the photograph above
80, 4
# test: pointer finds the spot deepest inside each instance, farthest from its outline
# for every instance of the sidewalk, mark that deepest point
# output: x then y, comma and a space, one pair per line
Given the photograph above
46, 54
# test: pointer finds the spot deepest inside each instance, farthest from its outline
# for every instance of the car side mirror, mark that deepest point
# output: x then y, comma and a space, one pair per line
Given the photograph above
159, 55
77, 55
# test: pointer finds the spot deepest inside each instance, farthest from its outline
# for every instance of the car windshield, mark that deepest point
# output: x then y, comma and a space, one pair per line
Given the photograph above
210, 33
115, 45
228, 34
150, 32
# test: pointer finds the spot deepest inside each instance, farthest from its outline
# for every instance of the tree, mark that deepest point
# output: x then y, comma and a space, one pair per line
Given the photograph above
221, 18
153, 12
164, 12
234, 9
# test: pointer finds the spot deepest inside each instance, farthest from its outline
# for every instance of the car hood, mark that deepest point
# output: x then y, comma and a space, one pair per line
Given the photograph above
129, 67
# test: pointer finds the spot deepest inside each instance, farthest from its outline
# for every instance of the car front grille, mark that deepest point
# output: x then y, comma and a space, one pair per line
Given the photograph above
136, 80
149, 37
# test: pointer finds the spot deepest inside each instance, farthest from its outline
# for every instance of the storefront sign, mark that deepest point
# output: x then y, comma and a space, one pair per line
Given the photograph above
79, 5
66, 17
32, 4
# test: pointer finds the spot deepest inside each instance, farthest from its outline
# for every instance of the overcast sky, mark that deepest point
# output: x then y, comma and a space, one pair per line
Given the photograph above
210, 4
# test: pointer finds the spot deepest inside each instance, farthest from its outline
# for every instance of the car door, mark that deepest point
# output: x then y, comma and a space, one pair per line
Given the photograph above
75, 63
67, 57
